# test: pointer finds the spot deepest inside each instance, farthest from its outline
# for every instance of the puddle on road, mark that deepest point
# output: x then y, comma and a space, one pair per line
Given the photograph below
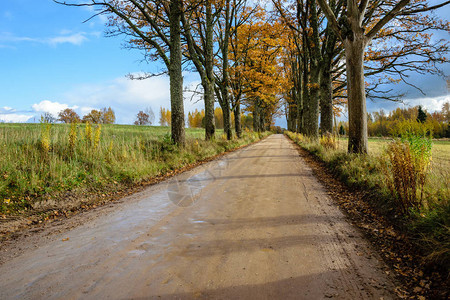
185, 192
136, 252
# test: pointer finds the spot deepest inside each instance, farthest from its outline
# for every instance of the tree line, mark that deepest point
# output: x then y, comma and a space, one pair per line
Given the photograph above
437, 123
195, 119
102, 116
303, 58
388, 124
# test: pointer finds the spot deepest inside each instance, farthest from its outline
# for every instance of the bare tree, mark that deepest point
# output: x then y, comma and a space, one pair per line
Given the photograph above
356, 29
47, 118
151, 115
155, 27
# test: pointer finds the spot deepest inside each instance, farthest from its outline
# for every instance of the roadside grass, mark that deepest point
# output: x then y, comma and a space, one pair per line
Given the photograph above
428, 224
440, 152
43, 165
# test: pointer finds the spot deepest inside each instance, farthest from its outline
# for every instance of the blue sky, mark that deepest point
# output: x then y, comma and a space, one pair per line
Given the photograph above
51, 60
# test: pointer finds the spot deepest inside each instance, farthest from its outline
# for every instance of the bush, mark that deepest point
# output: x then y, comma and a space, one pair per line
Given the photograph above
408, 164
328, 141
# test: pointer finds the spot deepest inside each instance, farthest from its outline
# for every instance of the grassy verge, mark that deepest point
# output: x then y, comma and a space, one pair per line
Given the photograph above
428, 226
44, 166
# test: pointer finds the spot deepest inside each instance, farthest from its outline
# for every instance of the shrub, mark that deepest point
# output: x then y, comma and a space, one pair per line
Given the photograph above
405, 128
45, 136
73, 136
407, 168
328, 141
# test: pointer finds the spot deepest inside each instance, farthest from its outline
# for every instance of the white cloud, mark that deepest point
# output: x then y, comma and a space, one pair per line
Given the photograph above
85, 110
14, 118
50, 107
75, 39
9, 114
8, 37
6, 109
127, 97
65, 37
431, 104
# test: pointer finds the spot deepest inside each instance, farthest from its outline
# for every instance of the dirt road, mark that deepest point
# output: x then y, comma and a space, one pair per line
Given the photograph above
254, 225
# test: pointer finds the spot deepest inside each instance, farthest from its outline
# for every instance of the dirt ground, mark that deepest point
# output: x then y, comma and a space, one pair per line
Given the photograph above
255, 224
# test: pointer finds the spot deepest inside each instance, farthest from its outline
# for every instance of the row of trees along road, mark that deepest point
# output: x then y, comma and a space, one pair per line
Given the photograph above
307, 56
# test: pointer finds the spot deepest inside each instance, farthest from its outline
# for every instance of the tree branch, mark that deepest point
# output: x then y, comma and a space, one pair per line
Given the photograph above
389, 16
425, 9
331, 18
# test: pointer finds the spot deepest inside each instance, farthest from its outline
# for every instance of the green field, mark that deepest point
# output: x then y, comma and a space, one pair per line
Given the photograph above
46, 163
440, 153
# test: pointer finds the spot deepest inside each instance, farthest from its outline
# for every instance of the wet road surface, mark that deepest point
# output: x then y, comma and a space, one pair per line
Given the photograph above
255, 224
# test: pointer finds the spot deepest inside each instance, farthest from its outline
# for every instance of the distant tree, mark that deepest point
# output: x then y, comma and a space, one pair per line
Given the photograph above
95, 116
108, 116
189, 120
218, 118
151, 115
142, 118
446, 111
103, 116
68, 115
421, 115
341, 130
199, 119
47, 118
247, 121
162, 117
165, 117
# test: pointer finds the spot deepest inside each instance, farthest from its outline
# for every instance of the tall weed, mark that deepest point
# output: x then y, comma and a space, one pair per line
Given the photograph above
329, 141
409, 161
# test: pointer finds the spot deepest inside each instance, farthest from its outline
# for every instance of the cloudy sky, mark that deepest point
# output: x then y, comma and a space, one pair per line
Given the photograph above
51, 60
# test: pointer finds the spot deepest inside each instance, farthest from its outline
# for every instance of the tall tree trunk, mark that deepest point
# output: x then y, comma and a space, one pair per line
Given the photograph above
326, 102
227, 121
305, 83
208, 84
256, 117
299, 120
299, 98
237, 119
354, 38
300, 101
292, 116
262, 120
225, 82
175, 74
311, 108
357, 113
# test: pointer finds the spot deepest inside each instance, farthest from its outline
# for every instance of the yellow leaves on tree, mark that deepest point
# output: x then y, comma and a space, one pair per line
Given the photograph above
165, 117
195, 118
256, 55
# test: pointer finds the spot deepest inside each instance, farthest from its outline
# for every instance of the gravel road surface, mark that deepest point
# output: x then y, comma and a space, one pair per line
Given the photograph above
255, 224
